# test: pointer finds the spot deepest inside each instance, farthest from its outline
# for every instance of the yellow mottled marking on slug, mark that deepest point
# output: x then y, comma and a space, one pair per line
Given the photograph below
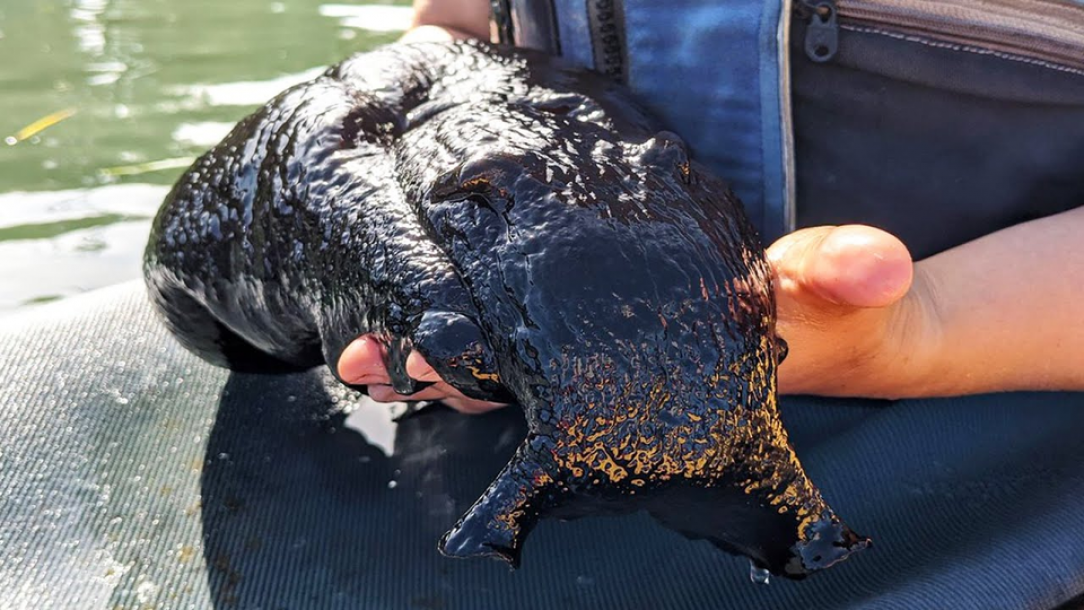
478, 374
473, 183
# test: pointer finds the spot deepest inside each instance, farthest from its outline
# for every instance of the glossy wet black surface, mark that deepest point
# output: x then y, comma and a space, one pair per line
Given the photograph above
528, 229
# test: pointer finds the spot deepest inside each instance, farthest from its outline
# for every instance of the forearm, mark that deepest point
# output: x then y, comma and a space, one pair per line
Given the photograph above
1009, 310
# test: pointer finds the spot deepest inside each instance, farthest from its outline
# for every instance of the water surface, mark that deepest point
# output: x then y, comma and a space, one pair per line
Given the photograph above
106, 101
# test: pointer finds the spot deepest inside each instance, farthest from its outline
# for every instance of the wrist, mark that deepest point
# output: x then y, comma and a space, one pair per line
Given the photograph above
433, 33
449, 20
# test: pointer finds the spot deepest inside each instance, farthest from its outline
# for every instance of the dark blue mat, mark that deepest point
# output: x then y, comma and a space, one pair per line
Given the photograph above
133, 475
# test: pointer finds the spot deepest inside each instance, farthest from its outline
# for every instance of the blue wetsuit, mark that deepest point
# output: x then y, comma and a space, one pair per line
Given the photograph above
937, 143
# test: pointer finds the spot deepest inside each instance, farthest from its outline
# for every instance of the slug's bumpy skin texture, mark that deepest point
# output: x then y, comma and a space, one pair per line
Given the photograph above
529, 230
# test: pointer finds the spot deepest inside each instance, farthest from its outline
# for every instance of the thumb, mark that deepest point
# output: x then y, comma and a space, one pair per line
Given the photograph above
837, 269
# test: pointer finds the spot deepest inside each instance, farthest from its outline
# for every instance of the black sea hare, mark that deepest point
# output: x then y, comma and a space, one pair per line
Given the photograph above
529, 230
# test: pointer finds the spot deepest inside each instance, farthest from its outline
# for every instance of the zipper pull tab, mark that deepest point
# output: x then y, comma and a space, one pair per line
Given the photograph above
822, 35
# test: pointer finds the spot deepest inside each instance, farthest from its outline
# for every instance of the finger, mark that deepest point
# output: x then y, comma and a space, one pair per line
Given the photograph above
383, 393
472, 407
438, 391
362, 362
442, 392
418, 368
851, 266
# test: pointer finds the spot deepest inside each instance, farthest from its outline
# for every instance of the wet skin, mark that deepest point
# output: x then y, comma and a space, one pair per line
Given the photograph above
526, 228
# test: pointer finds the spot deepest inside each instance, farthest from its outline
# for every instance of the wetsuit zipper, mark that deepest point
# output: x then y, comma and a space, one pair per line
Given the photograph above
1046, 31
822, 34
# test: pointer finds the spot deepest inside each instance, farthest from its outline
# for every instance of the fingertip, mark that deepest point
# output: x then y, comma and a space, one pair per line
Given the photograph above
418, 368
362, 362
383, 393
860, 266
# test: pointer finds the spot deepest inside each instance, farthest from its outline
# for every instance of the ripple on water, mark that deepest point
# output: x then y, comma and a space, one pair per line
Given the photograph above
60, 243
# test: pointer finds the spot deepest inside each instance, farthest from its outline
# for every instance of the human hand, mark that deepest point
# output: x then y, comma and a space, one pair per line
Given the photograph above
442, 20
362, 363
853, 312
857, 317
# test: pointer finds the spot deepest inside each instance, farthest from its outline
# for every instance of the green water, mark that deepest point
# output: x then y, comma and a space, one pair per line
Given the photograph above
130, 91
